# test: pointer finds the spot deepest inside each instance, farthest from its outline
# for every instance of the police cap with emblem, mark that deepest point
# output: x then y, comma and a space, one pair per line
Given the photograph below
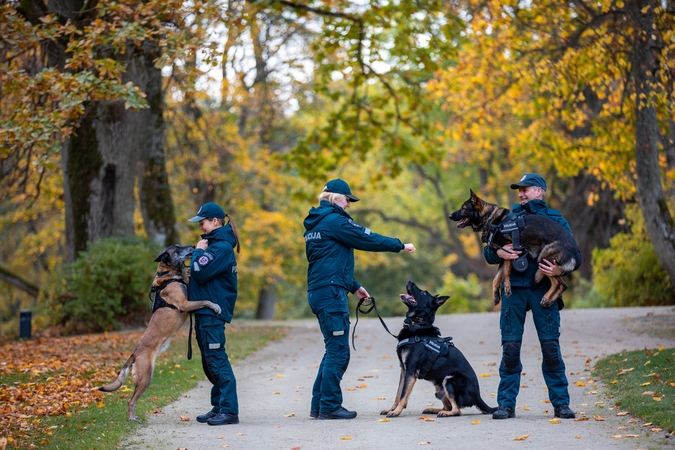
208, 211
339, 186
530, 179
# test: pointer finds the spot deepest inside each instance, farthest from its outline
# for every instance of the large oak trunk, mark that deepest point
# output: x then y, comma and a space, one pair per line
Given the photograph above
658, 220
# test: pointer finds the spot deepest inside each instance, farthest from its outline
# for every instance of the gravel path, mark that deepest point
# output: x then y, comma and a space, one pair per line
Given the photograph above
274, 387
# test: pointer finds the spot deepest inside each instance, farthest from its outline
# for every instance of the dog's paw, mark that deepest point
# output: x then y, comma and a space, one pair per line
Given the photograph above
496, 298
545, 302
432, 411
393, 414
216, 309
384, 412
449, 413
507, 291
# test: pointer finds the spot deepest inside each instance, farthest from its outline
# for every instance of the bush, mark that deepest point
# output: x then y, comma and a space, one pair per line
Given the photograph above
629, 273
106, 285
466, 294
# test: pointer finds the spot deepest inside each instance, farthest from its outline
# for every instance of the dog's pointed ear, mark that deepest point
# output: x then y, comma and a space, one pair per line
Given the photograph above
475, 200
163, 258
440, 299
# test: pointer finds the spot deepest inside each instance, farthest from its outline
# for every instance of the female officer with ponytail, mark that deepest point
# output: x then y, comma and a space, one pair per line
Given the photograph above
213, 276
330, 238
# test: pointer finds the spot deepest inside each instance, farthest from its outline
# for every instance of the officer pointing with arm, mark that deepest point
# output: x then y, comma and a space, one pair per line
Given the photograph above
331, 236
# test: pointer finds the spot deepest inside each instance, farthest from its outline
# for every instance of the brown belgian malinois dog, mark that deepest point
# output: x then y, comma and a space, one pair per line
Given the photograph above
170, 309
541, 237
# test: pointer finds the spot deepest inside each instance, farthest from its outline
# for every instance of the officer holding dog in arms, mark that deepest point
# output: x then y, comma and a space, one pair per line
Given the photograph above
331, 236
527, 295
213, 276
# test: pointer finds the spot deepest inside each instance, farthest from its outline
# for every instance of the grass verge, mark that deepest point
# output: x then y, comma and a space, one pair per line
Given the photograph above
643, 383
65, 420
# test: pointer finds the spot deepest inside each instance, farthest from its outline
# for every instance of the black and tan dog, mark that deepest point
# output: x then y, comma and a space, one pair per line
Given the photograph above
540, 236
170, 309
425, 355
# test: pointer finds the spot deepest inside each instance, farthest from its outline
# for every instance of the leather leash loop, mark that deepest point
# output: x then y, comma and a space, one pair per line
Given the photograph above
365, 306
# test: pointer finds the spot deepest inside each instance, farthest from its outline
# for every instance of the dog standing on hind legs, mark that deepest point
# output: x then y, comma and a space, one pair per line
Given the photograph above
425, 355
170, 310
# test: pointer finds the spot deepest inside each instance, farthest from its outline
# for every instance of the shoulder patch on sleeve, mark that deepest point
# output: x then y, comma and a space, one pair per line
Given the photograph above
366, 231
205, 259
351, 222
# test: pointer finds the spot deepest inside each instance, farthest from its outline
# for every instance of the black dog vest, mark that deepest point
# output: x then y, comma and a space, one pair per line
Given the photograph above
436, 345
157, 300
511, 226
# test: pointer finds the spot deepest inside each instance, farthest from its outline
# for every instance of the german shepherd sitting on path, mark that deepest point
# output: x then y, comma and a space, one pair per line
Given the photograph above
164, 323
425, 355
541, 236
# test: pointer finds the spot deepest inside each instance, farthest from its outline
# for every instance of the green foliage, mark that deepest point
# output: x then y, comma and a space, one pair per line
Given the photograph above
629, 273
105, 286
642, 384
466, 294
584, 294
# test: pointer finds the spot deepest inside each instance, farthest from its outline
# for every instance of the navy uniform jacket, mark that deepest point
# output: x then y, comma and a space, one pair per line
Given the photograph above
526, 279
213, 273
330, 240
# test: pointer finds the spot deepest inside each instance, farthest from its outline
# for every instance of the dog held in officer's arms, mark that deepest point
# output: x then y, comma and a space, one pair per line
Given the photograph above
170, 309
538, 236
425, 355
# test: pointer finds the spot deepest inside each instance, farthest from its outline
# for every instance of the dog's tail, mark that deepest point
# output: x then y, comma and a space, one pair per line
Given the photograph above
115, 385
484, 407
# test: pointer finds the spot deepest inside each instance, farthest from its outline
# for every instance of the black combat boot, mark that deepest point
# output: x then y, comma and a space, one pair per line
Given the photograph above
564, 412
504, 412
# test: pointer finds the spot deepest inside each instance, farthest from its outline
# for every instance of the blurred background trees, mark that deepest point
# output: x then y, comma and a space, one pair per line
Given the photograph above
120, 119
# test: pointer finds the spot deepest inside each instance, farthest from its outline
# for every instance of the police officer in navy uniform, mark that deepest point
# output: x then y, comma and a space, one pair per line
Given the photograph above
527, 295
213, 276
331, 237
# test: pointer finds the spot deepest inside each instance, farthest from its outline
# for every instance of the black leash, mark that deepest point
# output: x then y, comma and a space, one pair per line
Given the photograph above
189, 351
368, 302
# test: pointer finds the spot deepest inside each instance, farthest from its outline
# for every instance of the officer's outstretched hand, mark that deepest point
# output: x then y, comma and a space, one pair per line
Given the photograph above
410, 248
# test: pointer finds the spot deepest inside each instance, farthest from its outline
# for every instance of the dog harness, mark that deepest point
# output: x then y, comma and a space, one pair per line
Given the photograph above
436, 345
511, 226
156, 297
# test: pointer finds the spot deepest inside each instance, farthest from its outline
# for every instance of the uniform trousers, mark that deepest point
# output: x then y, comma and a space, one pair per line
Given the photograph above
210, 333
547, 324
329, 304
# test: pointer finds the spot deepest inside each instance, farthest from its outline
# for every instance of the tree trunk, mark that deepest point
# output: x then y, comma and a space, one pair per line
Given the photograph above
98, 174
156, 204
658, 220
266, 303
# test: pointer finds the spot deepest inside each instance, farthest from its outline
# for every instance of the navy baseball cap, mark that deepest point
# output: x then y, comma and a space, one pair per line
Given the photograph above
339, 186
530, 179
208, 211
